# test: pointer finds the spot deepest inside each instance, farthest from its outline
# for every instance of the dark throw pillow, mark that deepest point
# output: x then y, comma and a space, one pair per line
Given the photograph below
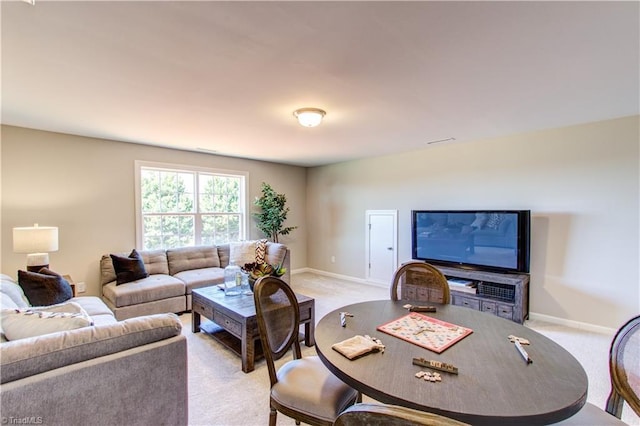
129, 268
44, 287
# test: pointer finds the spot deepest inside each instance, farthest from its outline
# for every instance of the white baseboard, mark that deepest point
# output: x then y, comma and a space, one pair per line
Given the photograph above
532, 315
341, 277
573, 324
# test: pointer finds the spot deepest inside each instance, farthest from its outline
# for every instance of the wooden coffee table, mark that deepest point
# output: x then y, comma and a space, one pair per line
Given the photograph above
236, 315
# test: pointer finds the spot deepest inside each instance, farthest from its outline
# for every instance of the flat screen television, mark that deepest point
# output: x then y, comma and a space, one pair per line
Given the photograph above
492, 240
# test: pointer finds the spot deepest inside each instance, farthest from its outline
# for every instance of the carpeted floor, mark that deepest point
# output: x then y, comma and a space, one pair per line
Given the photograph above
221, 394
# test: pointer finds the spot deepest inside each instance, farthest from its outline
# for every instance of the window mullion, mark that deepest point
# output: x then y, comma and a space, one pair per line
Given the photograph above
197, 222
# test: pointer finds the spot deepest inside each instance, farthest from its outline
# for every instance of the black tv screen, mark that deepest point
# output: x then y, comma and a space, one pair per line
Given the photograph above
480, 239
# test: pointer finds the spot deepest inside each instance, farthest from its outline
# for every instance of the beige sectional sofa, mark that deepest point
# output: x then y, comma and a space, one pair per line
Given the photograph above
173, 273
131, 372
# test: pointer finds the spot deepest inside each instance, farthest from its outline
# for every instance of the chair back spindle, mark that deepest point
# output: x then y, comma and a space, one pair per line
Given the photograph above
278, 318
419, 282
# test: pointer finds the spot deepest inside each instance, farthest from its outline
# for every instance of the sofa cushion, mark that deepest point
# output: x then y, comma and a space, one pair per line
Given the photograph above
69, 306
128, 268
188, 258
480, 221
276, 253
44, 287
242, 252
154, 287
27, 357
201, 277
494, 220
10, 287
96, 308
223, 254
29, 322
11, 294
155, 262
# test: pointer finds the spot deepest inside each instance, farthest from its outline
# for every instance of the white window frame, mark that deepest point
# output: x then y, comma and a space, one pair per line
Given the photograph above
244, 196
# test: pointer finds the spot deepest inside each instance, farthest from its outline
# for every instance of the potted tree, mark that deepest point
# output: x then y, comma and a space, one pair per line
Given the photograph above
270, 220
273, 213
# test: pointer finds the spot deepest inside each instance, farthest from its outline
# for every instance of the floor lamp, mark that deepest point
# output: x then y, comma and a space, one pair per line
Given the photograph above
37, 242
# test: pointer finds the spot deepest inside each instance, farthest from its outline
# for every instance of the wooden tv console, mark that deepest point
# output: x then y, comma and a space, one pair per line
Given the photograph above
502, 294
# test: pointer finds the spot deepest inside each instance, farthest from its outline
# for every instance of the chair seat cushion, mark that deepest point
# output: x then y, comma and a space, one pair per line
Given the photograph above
306, 385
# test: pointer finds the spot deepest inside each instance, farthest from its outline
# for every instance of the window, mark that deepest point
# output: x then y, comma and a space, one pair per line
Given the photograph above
179, 206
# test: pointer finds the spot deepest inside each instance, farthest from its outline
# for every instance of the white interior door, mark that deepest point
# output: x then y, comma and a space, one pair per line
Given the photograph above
382, 241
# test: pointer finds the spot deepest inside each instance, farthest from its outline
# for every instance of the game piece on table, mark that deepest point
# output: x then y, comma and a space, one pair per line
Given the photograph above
428, 376
422, 309
422, 330
343, 318
436, 365
379, 345
514, 339
419, 308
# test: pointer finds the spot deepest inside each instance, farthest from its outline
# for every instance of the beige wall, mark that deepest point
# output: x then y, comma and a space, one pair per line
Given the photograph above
581, 184
85, 187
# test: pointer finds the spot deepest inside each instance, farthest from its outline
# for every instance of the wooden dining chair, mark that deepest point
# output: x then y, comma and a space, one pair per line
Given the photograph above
624, 368
624, 371
303, 388
390, 415
419, 282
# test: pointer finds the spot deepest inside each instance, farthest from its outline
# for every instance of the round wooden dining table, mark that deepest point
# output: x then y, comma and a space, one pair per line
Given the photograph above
494, 384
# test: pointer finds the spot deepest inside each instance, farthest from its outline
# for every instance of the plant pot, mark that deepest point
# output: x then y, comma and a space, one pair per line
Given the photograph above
252, 282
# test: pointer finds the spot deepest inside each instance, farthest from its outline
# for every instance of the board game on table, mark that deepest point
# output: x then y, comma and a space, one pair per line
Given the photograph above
425, 331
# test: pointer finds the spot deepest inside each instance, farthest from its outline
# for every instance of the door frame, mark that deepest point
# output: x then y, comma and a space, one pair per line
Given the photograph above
368, 214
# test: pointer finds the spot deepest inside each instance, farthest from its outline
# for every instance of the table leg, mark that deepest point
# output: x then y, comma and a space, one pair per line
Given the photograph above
248, 349
310, 328
195, 321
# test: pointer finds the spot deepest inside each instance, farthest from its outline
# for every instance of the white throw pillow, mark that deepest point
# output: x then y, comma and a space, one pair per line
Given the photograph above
70, 307
241, 253
36, 321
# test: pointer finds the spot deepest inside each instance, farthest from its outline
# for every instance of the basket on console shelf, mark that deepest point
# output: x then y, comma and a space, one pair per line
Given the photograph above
496, 290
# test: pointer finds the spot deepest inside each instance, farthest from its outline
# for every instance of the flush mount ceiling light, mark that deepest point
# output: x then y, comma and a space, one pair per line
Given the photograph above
309, 117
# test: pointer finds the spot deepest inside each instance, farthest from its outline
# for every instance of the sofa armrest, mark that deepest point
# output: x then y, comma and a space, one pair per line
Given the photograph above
143, 385
26, 357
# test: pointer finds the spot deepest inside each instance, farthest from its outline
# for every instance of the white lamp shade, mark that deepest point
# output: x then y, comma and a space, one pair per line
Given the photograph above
309, 117
35, 239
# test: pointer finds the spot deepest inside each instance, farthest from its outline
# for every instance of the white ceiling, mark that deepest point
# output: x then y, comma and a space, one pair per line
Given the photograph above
392, 76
